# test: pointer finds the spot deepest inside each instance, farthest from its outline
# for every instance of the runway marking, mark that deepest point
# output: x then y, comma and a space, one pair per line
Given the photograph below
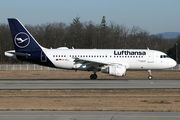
89, 116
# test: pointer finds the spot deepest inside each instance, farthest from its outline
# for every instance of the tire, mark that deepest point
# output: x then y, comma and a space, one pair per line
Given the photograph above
93, 76
150, 77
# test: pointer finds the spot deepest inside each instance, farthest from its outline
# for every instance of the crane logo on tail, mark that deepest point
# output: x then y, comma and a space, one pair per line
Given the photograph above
22, 40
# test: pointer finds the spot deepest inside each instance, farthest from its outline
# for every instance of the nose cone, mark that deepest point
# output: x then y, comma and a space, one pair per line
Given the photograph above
173, 63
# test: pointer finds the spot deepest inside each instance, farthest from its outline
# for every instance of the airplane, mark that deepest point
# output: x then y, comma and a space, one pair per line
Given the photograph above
114, 62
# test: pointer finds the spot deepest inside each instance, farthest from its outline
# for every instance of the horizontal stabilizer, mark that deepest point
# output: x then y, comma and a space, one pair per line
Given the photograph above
19, 54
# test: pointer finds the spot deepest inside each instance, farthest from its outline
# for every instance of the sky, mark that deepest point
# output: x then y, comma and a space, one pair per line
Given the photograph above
154, 16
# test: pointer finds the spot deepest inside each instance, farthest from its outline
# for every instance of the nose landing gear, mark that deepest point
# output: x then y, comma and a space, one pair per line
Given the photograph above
150, 76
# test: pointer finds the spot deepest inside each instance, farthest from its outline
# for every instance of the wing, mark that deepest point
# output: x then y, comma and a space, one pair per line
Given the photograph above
97, 64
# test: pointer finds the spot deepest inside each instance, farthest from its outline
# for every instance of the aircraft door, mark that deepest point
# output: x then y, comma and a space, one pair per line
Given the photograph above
43, 57
150, 57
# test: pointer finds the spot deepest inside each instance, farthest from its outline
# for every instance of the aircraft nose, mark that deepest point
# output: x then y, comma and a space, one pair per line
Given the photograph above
173, 63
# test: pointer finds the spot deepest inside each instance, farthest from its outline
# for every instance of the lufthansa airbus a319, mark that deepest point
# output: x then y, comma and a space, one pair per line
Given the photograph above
114, 62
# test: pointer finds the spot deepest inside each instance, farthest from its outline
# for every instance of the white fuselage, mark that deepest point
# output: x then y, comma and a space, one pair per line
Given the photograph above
131, 58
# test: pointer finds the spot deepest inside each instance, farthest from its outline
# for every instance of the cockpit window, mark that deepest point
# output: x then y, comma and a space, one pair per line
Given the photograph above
164, 56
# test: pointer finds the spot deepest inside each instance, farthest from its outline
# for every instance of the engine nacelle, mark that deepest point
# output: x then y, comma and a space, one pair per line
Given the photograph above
114, 70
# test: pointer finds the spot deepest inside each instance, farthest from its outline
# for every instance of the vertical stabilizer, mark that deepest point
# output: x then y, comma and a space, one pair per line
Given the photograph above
22, 39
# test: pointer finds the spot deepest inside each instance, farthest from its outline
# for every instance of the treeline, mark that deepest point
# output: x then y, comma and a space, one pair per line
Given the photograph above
87, 35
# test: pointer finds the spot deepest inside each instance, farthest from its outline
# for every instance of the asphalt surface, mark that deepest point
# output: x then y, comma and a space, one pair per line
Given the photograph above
87, 115
88, 84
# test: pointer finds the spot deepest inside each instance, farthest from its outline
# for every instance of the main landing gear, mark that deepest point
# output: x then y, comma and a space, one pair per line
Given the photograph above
150, 76
93, 76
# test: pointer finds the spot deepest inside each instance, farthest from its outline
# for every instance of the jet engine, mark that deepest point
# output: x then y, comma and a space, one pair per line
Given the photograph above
114, 70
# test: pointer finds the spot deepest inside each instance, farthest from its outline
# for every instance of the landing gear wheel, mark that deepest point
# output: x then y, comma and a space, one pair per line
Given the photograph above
150, 77
93, 76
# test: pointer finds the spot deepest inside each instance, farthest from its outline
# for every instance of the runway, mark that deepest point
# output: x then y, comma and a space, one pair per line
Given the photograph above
88, 84
87, 115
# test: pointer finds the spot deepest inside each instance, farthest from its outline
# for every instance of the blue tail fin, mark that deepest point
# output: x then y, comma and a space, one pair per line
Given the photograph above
22, 39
